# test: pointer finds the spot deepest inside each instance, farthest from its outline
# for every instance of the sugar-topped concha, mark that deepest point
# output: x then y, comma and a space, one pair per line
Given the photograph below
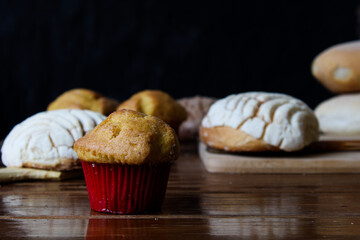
45, 140
259, 121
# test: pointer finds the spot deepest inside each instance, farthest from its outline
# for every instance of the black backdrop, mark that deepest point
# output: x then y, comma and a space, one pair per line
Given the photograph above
184, 48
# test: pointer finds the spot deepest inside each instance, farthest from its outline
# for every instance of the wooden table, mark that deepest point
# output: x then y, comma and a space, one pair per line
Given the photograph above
198, 205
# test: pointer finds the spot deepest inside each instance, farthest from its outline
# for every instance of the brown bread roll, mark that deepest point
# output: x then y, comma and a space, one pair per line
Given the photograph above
338, 69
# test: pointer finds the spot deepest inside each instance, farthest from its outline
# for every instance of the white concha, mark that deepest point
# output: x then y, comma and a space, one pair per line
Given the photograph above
46, 139
340, 115
278, 119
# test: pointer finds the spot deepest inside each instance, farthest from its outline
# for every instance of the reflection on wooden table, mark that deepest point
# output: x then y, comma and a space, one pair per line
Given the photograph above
198, 205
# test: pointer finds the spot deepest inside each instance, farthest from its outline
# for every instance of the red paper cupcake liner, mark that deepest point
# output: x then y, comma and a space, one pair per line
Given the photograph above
126, 189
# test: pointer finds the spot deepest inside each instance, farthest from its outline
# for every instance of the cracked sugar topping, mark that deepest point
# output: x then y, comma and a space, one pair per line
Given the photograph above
278, 119
46, 139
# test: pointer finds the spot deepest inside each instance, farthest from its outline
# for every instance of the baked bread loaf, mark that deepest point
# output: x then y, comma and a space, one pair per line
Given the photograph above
129, 137
196, 107
45, 140
84, 99
340, 115
158, 104
337, 68
259, 121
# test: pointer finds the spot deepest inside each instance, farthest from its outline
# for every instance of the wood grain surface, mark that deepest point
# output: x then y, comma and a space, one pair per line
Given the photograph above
280, 162
12, 174
198, 205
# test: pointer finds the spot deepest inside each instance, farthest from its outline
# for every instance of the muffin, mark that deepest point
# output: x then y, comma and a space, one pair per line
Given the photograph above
126, 161
158, 104
84, 99
196, 107
45, 140
259, 121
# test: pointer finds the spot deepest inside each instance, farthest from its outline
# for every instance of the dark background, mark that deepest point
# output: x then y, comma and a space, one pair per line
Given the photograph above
183, 48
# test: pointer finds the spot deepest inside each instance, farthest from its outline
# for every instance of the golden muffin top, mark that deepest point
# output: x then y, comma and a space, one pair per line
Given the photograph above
158, 104
129, 137
84, 99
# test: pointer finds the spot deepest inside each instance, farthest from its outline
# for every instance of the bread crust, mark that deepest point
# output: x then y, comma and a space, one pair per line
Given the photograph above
233, 140
337, 67
64, 164
84, 99
156, 103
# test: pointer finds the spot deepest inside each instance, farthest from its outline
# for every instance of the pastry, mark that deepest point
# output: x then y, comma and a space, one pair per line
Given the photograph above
340, 115
84, 99
158, 104
126, 161
337, 68
196, 108
45, 140
259, 121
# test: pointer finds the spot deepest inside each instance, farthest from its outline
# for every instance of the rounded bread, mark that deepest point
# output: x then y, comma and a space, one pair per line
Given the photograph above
129, 137
45, 140
158, 104
259, 121
84, 99
196, 107
340, 115
337, 67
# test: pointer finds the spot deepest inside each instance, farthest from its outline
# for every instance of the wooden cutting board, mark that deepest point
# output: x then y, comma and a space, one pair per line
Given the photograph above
22, 174
281, 162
